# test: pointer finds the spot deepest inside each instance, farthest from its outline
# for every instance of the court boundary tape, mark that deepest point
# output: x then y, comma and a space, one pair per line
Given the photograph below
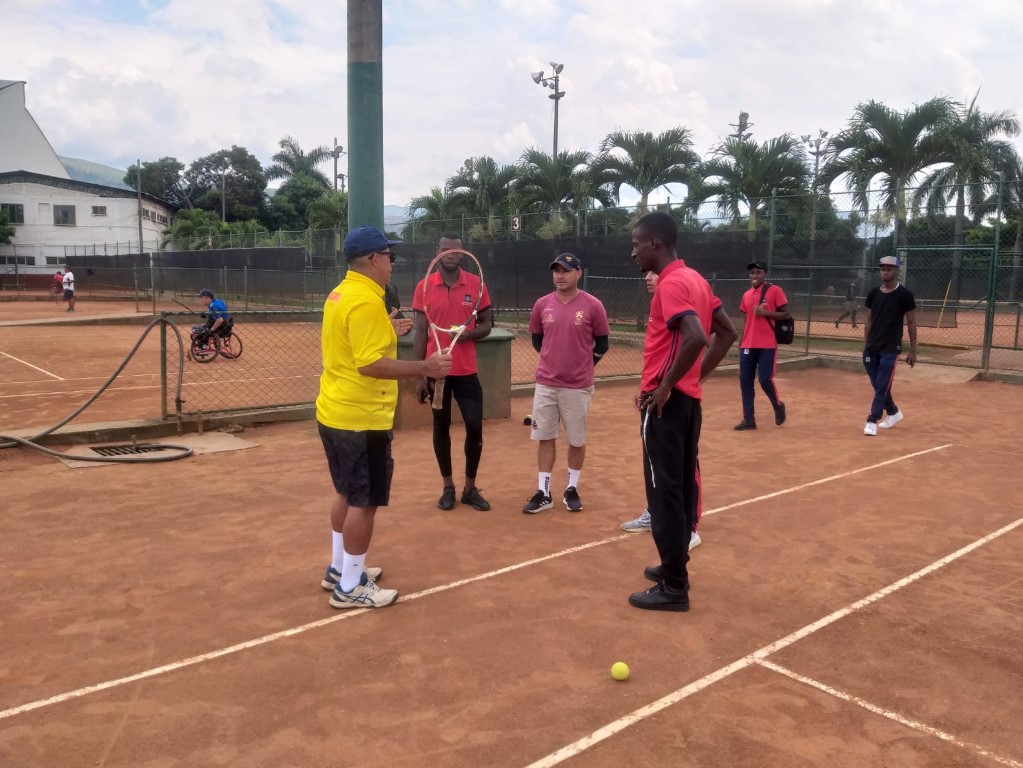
36, 367
916, 725
293, 631
626, 721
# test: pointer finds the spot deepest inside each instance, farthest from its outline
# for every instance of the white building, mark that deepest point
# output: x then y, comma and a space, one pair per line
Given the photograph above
55, 216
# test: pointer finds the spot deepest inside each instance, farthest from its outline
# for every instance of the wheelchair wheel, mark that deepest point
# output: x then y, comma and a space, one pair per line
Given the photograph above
204, 352
231, 347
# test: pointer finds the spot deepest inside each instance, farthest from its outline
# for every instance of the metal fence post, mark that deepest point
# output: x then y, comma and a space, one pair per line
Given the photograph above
163, 368
992, 283
770, 236
135, 280
245, 285
809, 312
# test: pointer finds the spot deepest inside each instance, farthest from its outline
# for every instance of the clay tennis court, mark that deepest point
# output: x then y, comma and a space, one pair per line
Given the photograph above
856, 601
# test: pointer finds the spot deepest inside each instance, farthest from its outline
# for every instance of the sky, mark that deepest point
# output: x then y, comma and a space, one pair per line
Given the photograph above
112, 81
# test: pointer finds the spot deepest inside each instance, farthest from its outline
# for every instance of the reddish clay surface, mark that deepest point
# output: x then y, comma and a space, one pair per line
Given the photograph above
111, 571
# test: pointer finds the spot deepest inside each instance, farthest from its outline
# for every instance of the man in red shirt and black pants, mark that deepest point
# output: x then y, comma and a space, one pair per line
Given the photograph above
447, 287
763, 304
685, 317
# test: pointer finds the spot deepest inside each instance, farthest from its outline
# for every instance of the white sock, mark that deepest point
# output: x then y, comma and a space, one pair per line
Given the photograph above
351, 571
573, 477
545, 483
338, 551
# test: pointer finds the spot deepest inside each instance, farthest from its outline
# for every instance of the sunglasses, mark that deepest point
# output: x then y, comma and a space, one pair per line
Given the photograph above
392, 254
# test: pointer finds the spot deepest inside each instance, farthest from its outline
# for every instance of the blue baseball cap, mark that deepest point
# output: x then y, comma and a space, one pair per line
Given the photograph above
206, 292
568, 261
889, 261
362, 241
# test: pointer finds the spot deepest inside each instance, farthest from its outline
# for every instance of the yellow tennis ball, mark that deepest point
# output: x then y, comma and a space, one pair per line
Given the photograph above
620, 670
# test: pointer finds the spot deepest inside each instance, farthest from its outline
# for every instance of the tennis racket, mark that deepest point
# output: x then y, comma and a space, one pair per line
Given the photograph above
451, 310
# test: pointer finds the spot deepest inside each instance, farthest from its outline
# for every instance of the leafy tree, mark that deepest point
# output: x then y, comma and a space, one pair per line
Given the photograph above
291, 161
881, 142
232, 178
165, 179
545, 183
1012, 205
193, 229
7, 229
743, 173
431, 215
329, 211
645, 162
290, 206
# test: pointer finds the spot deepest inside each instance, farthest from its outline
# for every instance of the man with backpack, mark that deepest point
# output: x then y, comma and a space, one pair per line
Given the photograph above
764, 304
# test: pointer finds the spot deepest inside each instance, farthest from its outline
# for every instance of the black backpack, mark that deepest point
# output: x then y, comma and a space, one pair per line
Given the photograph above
784, 330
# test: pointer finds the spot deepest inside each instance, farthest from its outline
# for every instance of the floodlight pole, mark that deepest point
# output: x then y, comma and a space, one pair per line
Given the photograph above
554, 83
815, 150
336, 153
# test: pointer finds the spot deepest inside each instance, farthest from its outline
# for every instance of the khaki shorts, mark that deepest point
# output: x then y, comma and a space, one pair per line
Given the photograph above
552, 405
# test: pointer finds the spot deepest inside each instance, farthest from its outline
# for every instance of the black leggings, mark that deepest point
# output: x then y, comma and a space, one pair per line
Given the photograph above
469, 395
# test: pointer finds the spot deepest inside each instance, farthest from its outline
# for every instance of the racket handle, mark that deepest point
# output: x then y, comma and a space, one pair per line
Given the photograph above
438, 394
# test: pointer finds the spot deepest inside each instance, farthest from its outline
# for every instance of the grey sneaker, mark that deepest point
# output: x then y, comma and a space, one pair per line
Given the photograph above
571, 499
365, 595
538, 503
332, 577
640, 524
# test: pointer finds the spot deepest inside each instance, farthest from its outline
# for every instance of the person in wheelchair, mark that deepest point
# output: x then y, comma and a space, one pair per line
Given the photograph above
218, 321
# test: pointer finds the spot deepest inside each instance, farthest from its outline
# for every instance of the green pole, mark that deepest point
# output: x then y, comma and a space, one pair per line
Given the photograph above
809, 311
992, 282
163, 367
365, 114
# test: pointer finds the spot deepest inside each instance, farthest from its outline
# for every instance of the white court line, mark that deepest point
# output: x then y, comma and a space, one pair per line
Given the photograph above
324, 622
756, 657
914, 724
36, 367
823, 480
77, 392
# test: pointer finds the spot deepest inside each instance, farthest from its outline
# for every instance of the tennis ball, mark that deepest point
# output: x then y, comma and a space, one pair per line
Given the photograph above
528, 421
620, 671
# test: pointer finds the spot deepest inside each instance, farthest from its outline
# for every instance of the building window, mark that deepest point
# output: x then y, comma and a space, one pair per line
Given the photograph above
16, 212
99, 210
64, 216
54, 261
26, 261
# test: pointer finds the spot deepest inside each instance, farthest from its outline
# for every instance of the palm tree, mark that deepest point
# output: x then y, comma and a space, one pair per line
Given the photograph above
743, 173
483, 188
431, 215
291, 160
329, 211
893, 145
645, 162
975, 151
545, 183
1011, 169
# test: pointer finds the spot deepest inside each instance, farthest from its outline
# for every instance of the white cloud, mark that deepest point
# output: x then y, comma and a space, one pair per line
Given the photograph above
193, 76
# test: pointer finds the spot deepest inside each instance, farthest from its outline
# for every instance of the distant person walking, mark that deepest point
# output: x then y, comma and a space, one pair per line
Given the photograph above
888, 305
850, 305
758, 349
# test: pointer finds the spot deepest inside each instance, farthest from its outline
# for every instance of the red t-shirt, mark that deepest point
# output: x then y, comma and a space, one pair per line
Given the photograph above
451, 307
566, 357
680, 291
758, 332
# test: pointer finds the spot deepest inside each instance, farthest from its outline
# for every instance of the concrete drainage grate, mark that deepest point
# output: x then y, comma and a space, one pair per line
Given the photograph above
126, 450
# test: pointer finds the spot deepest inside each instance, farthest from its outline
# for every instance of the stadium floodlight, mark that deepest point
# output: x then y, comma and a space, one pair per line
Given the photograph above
552, 82
816, 148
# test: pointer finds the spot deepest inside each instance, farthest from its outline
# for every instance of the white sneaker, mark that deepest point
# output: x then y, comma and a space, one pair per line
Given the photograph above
365, 595
694, 541
891, 421
870, 428
640, 524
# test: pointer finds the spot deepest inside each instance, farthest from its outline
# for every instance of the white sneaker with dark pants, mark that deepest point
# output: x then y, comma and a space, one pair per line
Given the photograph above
891, 420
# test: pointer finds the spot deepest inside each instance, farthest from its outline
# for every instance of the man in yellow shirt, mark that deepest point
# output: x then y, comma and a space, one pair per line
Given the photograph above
355, 411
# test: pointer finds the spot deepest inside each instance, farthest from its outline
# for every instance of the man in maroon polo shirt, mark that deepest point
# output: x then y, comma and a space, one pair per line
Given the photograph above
685, 318
448, 286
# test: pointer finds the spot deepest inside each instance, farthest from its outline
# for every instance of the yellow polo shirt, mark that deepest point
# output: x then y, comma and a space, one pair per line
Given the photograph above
356, 332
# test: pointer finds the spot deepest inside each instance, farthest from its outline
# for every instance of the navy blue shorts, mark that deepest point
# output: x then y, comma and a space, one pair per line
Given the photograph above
68, 294
360, 464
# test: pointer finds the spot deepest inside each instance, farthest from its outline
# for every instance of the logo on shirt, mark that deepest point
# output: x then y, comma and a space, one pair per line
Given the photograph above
579, 317
548, 316
467, 299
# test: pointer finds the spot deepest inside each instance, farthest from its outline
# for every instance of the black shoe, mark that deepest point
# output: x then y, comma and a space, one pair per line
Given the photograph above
447, 499
652, 573
661, 598
537, 503
836, 324
743, 425
475, 499
779, 414
571, 499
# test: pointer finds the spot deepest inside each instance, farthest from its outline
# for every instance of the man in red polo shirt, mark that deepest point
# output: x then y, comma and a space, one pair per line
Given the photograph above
685, 317
763, 304
447, 287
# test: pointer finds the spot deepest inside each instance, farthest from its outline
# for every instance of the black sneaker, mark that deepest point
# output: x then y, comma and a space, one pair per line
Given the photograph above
779, 414
661, 598
744, 425
475, 499
447, 499
538, 503
572, 501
